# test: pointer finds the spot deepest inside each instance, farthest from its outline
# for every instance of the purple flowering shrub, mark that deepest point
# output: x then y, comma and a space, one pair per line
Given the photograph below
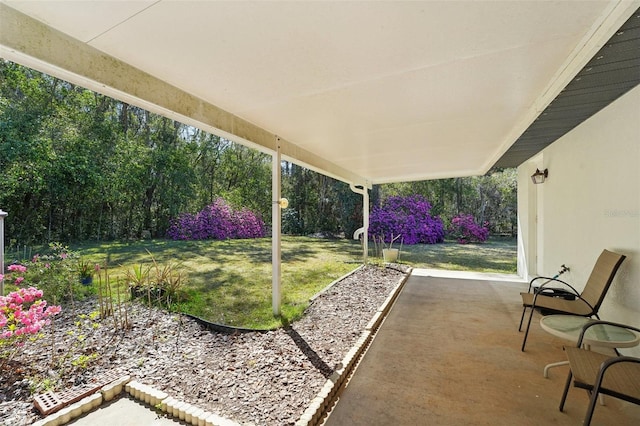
466, 230
409, 217
218, 221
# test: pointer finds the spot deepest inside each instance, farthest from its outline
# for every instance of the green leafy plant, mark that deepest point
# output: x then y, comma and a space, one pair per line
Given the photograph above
137, 279
86, 269
39, 384
55, 272
76, 353
168, 282
160, 284
83, 361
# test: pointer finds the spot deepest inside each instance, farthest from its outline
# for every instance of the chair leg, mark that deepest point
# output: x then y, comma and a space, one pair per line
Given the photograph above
524, 309
566, 390
592, 406
526, 332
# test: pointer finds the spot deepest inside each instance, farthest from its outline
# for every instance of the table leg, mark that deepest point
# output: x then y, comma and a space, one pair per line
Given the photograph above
555, 364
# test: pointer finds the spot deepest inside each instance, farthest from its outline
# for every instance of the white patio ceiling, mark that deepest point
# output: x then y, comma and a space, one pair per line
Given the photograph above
371, 92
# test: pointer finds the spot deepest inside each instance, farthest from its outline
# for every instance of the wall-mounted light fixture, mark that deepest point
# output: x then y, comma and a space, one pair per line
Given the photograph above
282, 202
539, 177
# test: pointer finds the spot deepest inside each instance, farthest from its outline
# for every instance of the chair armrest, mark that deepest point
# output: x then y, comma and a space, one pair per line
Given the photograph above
596, 322
549, 281
608, 363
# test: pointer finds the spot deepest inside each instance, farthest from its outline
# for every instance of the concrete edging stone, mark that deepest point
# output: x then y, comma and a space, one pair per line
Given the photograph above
320, 407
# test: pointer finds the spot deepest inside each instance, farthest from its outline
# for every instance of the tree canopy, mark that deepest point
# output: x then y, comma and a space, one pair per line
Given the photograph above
76, 165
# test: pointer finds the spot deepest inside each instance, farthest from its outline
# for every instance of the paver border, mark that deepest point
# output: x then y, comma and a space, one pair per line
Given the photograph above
320, 407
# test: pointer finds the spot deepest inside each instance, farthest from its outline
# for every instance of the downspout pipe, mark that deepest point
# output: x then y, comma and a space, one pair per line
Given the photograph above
364, 230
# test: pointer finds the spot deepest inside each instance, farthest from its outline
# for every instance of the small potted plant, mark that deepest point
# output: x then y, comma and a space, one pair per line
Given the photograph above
85, 270
389, 254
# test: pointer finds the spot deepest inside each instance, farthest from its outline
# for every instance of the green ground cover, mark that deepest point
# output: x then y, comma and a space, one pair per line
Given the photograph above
229, 282
495, 255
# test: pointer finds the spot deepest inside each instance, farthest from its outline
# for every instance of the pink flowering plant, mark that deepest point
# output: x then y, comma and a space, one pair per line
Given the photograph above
23, 313
465, 229
18, 270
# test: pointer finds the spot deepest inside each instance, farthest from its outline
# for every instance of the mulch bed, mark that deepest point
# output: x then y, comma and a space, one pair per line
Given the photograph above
260, 378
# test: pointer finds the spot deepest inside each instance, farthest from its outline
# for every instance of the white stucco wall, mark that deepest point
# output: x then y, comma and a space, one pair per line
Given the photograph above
590, 201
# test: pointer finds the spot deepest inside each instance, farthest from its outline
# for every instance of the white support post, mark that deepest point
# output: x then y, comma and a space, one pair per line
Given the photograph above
3, 214
276, 227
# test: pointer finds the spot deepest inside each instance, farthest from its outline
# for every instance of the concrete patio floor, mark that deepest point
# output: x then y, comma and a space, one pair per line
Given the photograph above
449, 354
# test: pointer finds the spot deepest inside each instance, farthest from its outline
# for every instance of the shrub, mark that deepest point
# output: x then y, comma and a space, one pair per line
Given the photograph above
218, 221
56, 273
466, 230
23, 313
409, 217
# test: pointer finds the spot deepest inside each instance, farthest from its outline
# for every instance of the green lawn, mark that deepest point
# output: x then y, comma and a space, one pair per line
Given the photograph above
229, 282
496, 255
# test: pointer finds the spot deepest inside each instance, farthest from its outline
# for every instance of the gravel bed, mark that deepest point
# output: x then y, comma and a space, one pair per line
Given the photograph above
257, 378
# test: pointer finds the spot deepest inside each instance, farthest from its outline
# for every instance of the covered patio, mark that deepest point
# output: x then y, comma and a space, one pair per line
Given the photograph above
378, 92
449, 353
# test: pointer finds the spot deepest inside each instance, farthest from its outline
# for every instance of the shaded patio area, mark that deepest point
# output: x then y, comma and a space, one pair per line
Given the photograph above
449, 353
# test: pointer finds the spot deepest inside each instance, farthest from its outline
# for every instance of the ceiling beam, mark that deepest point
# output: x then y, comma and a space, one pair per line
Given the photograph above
31, 43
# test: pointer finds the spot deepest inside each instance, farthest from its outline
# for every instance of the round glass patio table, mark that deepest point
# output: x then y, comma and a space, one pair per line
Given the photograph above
603, 335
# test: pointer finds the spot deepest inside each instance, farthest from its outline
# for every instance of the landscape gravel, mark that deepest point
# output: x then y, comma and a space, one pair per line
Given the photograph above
255, 378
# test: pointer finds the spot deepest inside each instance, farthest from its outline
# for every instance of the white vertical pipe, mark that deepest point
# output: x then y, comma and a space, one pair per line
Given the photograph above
365, 223
365, 218
276, 227
3, 214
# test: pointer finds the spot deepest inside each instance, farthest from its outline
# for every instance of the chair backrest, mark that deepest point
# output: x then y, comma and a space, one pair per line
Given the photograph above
601, 277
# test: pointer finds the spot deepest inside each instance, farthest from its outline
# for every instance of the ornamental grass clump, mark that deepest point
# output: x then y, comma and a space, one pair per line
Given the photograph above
465, 230
409, 217
86, 269
158, 284
217, 221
